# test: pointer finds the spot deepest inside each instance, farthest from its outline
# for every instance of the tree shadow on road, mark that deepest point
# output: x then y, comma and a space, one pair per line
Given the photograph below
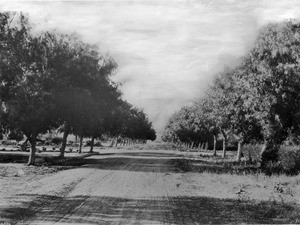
135, 161
138, 162
146, 162
141, 164
177, 210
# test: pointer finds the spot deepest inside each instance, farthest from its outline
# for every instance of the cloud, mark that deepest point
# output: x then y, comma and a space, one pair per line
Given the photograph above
167, 51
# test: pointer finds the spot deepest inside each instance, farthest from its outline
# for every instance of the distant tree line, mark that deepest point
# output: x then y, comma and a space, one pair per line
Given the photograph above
257, 101
50, 80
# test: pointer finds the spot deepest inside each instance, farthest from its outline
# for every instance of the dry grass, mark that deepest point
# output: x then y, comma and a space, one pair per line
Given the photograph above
215, 180
272, 199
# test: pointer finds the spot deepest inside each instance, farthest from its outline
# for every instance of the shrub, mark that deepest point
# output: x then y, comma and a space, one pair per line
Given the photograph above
56, 140
252, 152
16, 135
87, 143
96, 143
271, 167
289, 159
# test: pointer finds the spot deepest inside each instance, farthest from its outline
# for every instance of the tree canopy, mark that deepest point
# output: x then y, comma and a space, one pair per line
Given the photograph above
257, 100
50, 80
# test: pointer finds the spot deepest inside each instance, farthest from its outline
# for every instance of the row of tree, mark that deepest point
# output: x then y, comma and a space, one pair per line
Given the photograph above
256, 101
50, 80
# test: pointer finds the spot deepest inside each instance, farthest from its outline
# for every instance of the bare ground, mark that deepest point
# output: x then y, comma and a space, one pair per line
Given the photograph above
141, 187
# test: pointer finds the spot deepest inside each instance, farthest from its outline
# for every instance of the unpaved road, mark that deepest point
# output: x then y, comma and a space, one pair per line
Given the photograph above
140, 187
123, 189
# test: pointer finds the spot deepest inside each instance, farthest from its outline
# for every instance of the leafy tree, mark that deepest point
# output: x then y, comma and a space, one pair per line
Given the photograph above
139, 126
126, 121
82, 87
274, 82
52, 79
259, 100
27, 101
188, 126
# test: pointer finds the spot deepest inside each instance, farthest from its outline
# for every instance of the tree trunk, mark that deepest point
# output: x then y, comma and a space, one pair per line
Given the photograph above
80, 143
239, 151
249, 157
215, 145
31, 159
112, 142
64, 143
117, 139
92, 144
224, 147
224, 143
264, 148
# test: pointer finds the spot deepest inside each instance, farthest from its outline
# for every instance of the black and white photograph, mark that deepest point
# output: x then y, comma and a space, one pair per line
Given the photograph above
149, 112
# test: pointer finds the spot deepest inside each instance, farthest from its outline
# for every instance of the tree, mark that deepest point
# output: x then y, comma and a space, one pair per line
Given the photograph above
188, 126
49, 79
28, 103
274, 82
82, 87
126, 121
139, 127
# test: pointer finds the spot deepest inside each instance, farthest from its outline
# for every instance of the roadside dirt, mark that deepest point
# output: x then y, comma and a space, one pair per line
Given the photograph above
140, 187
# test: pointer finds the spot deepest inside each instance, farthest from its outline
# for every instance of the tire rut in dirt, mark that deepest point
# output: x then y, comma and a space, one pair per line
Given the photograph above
133, 193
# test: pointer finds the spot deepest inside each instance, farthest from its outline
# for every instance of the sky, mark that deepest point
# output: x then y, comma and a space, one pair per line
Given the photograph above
167, 51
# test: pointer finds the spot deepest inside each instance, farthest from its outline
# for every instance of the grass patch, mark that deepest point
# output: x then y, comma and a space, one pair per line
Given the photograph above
44, 160
201, 166
43, 164
18, 158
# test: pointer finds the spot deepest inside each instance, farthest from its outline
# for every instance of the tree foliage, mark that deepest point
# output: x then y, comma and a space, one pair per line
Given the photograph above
50, 80
259, 99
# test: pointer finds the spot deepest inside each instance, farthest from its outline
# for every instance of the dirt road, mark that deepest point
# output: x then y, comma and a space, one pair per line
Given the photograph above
125, 188
122, 189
